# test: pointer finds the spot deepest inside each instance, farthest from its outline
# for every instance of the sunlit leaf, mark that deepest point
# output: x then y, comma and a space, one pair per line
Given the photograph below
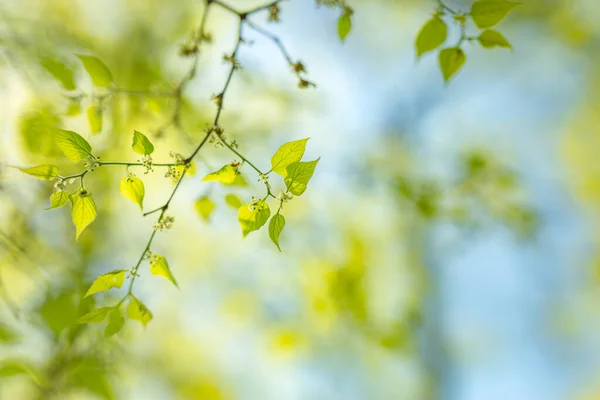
138, 311
160, 267
58, 199
132, 188
431, 36
233, 201
59, 312
204, 206
298, 176
98, 71
75, 147
225, 175
104, 282
344, 25
94, 316
60, 71
141, 144
451, 61
94, 114
287, 154
253, 216
487, 13
490, 39
84, 210
45, 172
73, 109
116, 321
275, 228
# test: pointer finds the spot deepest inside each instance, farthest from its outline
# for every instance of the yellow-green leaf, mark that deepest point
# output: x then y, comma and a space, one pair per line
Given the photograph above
58, 199
287, 154
344, 25
233, 201
104, 282
225, 175
298, 176
73, 109
74, 147
431, 36
253, 216
138, 311
451, 61
490, 39
94, 316
116, 321
204, 206
487, 13
45, 172
84, 210
97, 70
275, 228
60, 71
141, 144
132, 188
94, 115
160, 267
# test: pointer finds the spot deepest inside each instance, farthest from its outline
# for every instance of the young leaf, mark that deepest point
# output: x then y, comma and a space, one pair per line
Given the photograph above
60, 72
138, 311
490, 39
344, 25
97, 70
233, 201
84, 210
431, 36
132, 188
58, 199
160, 267
287, 154
451, 61
298, 175
253, 216
225, 175
94, 115
205, 207
116, 321
141, 144
104, 282
275, 228
487, 13
72, 145
94, 316
45, 172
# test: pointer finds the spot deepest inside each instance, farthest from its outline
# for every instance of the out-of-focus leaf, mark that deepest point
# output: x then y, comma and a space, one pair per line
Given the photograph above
94, 114
60, 71
98, 71
487, 13
490, 39
205, 207
94, 316
451, 61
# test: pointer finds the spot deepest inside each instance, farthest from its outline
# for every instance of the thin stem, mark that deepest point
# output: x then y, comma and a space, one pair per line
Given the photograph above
135, 164
239, 155
445, 7
273, 38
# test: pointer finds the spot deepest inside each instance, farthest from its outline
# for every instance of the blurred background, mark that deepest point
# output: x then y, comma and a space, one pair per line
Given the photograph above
447, 247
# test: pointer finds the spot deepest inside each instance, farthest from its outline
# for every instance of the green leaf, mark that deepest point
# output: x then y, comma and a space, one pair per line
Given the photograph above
7, 335
451, 61
253, 216
97, 70
84, 210
141, 144
132, 188
487, 13
116, 321
233, 201
94, 115
60, 71
15, 367
160, 267
225, 175
239, 181
205, 207
59, 313
58, 199
104, 282
344, 25
73, 145
73, 109
94, 316
298, 175
490, 39
45, 172
138, 311
275, 228
431, 36
287, 154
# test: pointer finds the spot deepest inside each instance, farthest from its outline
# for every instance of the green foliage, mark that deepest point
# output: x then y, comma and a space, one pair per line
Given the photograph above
487, 13
253, 216
432, 35
132, 188
104, 282
59, 313
8, 335
160, 267
74, 147
451, 61
37, 129
141, 144
94, 316
94, 114
287, 154
233, 201
298, 175
345, 24
205, 207
490, 39
59, 199
227, 175
44, 172
138, 311
84, 210
98, 71
60, 71
275, 228
15, 367
116, 321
